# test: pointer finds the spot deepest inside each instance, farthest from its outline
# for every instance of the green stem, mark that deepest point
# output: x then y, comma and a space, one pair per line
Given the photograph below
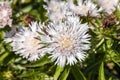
99, 44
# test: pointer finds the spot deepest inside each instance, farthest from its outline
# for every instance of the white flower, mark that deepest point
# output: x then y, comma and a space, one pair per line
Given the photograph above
56, 10
85, 8
5, 14
108, 5
26, 42
68, 41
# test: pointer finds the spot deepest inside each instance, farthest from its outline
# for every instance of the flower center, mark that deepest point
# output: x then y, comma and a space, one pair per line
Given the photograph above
31, 43
34, 42
66, 42
84, 9
56, 8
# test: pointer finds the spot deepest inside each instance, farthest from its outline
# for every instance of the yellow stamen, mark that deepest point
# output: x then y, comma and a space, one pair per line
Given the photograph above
34, 42
66, 42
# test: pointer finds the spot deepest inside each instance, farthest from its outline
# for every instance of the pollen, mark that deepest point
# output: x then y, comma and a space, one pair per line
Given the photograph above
35, 42
31, 43
66, 42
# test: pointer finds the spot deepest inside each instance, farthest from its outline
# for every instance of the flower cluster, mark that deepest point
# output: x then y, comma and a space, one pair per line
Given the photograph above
66, 41
65, 37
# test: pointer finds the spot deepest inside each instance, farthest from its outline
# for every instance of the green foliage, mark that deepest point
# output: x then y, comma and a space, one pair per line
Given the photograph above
78, 74
101, 72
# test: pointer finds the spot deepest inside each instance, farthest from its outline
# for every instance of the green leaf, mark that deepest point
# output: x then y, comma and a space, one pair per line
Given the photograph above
58, 72
78, 74
101, 72
3, 56
117, 13
116, 62
9, 58
99, 44
65, 74
41, 62
2, 35
27, 9
2, 49
110, 78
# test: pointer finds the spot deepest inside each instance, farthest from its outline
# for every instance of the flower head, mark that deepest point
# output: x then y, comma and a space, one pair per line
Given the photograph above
85, 8
68, 41
56, 10
108, 5
26, 42
5, 14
